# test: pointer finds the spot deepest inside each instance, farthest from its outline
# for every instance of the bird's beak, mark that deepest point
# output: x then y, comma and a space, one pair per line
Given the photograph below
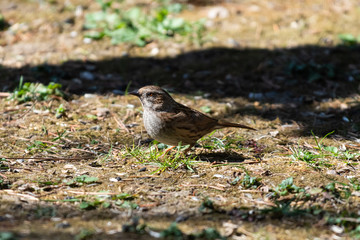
135, 93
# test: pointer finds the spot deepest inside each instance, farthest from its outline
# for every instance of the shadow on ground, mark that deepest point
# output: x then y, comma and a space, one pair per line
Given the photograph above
228, 157
290, 83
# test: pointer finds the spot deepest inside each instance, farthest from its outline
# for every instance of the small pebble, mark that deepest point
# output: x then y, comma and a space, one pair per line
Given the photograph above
154, 51
63, 224
337, 229
73, 34
87, 76
87, 40
181, 218
89, 95
102, 112
79, 11
69, 166
274, 133
218, 176
96, 128
331, 172
142, 169
115, 179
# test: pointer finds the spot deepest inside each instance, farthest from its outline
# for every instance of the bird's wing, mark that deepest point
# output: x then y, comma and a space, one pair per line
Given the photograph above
192, 121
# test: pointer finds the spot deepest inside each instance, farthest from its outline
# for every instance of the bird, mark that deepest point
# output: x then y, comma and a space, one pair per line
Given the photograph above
173, 123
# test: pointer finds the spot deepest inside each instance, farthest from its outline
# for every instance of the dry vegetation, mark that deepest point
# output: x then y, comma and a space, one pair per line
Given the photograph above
76, 162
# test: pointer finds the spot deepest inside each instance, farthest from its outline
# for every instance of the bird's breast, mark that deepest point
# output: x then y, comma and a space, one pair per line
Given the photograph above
153, 123
161, 130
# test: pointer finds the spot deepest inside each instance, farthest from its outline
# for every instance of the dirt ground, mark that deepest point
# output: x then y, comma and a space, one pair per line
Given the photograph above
93, 172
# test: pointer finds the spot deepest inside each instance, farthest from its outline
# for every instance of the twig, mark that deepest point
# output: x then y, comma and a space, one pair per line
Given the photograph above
3, 176
351, 146
11, 192
261, 202
149, 205
91, 193
4, 94
47, 158
26, 112
239, 163
120, 123
203, 185
245, 232
144, 176
251, 191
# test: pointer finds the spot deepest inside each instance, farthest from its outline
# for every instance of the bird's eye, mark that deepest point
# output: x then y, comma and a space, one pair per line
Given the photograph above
150, 94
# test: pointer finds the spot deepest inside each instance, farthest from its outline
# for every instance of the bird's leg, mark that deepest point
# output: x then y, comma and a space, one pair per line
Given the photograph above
188, 149
166, 151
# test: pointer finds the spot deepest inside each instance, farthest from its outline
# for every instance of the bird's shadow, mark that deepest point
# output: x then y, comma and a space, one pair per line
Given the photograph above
222, 157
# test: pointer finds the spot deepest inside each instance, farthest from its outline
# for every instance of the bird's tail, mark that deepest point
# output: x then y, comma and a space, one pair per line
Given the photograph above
222, 123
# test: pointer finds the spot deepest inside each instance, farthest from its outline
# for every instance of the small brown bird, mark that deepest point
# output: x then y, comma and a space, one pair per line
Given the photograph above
172, 123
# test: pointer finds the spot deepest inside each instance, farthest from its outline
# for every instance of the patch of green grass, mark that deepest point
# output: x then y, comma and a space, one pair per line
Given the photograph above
81, 180
154, 155
27, 91
38, 146
207, 206
108, 156
60, 111
105, 200
173, 232
139, 27
215, 143
91, 116
212, 143
336, 189
206, 109
355, 183
314, 160
123, 196
347, 220
250, 182
4, 183
339, 190
60, 135
48, 183
349, 39
286, 187
90, 205
8, 236
4, 164
126, 204
321, 155
86, 179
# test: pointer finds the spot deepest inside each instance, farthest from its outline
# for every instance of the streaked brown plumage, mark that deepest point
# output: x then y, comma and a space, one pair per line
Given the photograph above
172, 123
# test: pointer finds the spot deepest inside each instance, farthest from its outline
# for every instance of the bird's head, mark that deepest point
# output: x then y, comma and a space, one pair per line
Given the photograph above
154, 97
